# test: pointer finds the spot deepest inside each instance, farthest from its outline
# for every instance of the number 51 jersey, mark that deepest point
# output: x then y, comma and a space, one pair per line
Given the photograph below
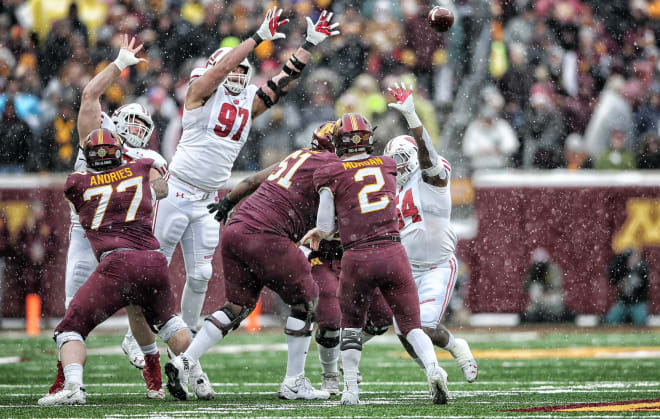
114, 206
212, 137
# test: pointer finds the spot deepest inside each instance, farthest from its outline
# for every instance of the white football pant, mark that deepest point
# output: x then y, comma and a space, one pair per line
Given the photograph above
80, 262
434, 287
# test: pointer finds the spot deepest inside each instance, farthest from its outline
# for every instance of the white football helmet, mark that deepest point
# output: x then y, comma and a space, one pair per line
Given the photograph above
134, 124
241, 80
403, 149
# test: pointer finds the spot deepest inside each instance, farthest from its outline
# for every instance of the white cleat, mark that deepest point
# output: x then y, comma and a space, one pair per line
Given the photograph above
330, 382
131, 348
71, 394
178, 373
465, 360
201, 384
349, 397
294, 388
438, 384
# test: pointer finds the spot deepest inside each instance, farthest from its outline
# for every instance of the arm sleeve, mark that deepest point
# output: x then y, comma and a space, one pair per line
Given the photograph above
81, 163
325, 217
429, 146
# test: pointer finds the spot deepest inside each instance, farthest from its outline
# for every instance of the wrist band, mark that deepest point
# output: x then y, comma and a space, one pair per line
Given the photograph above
434, 171
257, 38
308, 46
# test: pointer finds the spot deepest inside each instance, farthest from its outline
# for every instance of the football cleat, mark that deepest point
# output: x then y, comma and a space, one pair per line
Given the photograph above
465, 360
178, 372
438, 384
59, 380
349, 397
294, 388
71, 394
330, 382
152, 377
131, 348
201, 384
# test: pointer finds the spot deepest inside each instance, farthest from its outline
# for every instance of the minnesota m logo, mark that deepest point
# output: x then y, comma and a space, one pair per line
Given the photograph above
642, 227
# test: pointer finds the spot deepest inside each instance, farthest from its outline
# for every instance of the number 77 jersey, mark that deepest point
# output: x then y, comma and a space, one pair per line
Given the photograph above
364, 193
114, 206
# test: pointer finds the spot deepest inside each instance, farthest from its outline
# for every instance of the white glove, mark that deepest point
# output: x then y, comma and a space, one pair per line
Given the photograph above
404, 104
268, 29
127, 52
317, 33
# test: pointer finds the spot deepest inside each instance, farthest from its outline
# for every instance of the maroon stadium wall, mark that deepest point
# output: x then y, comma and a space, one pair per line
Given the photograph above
578, 219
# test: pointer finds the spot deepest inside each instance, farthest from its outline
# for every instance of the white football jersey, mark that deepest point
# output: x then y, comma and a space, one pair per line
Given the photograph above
424, 211
213, 135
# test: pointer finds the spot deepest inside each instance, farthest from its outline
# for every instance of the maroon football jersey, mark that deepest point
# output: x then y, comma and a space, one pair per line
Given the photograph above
114, 206
286, 203
364, 192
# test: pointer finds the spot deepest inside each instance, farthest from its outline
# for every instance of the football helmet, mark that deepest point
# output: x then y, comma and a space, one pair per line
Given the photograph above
134, 124
239, 81
103, 150
352, 134
322, 137
403, 150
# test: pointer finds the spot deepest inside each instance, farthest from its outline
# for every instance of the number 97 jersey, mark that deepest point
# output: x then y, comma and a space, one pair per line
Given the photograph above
364, 192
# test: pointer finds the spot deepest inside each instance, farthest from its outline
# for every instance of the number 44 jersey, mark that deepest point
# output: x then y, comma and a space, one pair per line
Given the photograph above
114, 206
213, 135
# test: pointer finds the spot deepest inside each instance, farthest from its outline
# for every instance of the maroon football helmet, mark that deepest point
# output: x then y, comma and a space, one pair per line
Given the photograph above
353, 134
322, 137
103, 150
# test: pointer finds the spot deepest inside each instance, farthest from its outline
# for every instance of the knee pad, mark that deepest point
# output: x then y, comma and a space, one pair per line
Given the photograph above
63, 337
351, 339
170, 328
307, 314
326, 341
374, 330
234, 320
198, 285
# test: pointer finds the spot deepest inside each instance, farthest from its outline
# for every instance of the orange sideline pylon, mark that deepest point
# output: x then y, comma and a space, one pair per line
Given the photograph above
252, 321
32, 314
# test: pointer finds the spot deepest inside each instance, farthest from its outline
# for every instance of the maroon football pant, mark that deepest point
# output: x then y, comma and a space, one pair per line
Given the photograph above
328, 313
128, 277
251, 261
383, 266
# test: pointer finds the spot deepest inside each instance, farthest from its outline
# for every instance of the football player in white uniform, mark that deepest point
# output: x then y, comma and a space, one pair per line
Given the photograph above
134, 126
424, 210
218, 111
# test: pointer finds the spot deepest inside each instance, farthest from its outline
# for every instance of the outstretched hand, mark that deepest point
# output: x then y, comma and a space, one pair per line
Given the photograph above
128, 50
322, 29
268, 29
405, 104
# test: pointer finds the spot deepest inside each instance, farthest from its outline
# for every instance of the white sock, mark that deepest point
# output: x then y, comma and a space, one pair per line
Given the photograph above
129, 333
73, 373
298, 347
191, 306
350, 359
329, 356
451, 344
207, 336
150, 349
423, 347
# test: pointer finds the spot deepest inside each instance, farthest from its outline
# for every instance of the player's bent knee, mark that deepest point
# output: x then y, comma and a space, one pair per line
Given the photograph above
374, 330
305, 312
199, 281
328, 338
228, 318
351, 339
63, 337
171, 327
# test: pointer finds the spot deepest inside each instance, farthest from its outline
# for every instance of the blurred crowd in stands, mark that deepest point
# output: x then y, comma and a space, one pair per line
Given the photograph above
569, 83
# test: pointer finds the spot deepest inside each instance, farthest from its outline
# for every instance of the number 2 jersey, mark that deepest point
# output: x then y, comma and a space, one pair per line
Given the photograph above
114, 206
364, 193
424, 211
212, 137
286, 203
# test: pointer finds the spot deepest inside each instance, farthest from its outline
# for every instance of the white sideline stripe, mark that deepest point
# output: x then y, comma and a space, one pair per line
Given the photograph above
10, 360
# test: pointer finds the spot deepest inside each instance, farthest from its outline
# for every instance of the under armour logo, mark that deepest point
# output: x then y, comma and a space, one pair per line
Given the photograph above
179, 195
236, 102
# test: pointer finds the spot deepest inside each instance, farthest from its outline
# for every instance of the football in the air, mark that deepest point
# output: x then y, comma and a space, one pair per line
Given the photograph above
441, 19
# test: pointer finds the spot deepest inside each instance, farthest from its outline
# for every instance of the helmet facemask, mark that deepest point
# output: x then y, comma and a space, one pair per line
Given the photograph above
406, 164
237, 82
134, 125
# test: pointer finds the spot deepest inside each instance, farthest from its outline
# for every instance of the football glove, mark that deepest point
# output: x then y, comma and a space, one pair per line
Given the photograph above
317, 33
222, 208
404, 104
268, 29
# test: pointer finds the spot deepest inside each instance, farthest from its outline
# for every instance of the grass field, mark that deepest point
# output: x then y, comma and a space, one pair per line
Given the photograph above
601, 370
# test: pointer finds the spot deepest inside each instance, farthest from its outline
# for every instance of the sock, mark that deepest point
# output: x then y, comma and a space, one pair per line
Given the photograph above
129, 333
297, 348
208, 336
73, 373
329, 356
423, 347
451, 344
150, 349
191, 306
350, 359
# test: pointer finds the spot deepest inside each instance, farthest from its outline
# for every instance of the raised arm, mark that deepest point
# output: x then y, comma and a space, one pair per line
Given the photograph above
205, 85
435, 169
244, 188
89, 116
278, 86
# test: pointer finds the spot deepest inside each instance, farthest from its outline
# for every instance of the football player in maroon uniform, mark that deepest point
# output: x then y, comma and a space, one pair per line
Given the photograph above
359, 192
113, 201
